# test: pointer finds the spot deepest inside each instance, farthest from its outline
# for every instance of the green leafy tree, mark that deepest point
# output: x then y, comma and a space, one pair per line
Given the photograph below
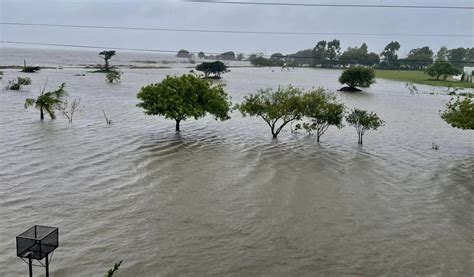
113, 76
48, 101
359, 55
459, 113
442, 54
216, 68
419, 58
183, 97
363, 121
303, 57
458, 56
276, 107
319, 53
18, 83
201, 55
183, 54
389, 55
323, 111
333, 52
228, 56
357, 77
107, 55
277, 56
442, 69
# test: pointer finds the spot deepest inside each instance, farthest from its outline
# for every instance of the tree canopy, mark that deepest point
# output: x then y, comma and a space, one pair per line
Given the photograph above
183, 97
228, 56
359, 55
322, 109
389, 56
216, 68
419, 58
184, 54
357, 77
442, 69
363, 121
107, 55
276, 107
459, 113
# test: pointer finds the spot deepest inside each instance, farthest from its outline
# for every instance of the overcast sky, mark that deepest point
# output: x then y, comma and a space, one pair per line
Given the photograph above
178, 14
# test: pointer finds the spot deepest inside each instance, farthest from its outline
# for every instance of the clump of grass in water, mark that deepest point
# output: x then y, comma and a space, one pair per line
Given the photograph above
112, 271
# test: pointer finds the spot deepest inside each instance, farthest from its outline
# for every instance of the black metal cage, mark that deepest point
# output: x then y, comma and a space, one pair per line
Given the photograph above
37, 242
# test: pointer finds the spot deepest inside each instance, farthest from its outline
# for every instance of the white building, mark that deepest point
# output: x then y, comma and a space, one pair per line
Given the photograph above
468, 72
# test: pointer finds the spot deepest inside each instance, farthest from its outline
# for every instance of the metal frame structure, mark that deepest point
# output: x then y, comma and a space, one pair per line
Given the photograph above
37, 243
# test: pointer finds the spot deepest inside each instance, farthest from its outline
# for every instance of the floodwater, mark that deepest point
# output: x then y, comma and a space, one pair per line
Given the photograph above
223, 197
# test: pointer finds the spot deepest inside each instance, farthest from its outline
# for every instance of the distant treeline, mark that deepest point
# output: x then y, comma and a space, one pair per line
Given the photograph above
226, 56
328, 54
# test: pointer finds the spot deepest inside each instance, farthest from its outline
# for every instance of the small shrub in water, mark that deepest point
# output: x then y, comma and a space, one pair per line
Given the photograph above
18, 83
30, 69
113, 76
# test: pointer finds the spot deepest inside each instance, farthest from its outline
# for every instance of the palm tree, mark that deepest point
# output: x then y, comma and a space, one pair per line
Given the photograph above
107, 55
48, 101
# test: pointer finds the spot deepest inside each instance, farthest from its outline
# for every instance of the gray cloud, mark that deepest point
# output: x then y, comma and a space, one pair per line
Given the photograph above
177, 14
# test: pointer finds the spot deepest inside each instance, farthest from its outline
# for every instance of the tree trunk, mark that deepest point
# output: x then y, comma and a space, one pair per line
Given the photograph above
275, 135
106, 65
177, 124
41, 114
317, 137
360, 139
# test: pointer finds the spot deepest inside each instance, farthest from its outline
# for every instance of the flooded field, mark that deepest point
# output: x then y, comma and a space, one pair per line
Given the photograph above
223, 197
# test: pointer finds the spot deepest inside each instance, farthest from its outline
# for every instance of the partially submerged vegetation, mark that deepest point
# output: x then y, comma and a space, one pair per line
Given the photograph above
18, 83
459, 113
216, 68
107, 55
357, 77
180, 98
113, 76
363, 121
276, 107
48, 101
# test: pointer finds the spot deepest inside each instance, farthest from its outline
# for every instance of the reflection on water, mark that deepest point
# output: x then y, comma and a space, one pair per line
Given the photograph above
223, 198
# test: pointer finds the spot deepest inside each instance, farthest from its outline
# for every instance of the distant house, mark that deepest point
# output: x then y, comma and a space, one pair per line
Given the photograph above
468, 73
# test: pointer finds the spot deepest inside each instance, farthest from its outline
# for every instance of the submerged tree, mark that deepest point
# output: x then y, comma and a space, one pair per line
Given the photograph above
276, 107
47, 101
18, 83
364, 121
216, 68
323, 111
357, 77
459, 113
185, 96
113, 76
107, 55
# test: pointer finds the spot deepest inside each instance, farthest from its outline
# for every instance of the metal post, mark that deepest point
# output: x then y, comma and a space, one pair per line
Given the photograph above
47, 266
30, 266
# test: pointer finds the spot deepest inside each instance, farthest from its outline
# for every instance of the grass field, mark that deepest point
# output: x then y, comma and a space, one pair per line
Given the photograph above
418, 77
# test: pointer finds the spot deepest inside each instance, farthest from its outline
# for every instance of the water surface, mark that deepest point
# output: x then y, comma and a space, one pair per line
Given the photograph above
223, 197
